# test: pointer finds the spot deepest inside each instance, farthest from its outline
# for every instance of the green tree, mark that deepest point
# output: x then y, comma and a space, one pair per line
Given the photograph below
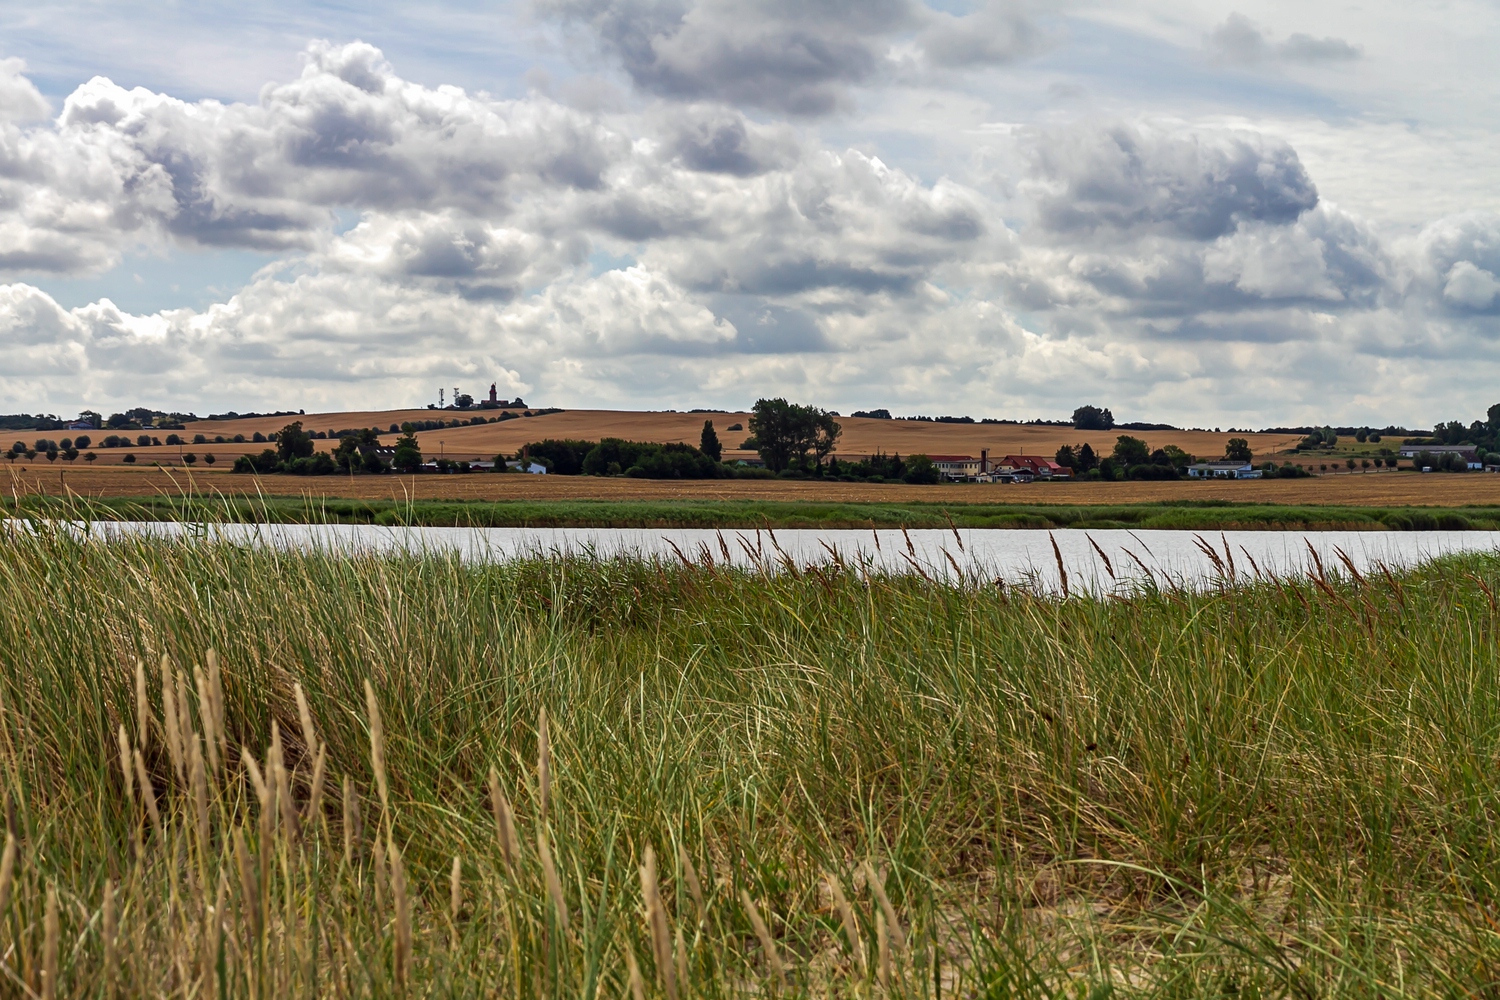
1092, 418
1085, 458
408, 457
921, 470
209, 459
1238, 450
1065, 457
708, 442
90, 458
292, 443
189, 459
1131, 451
785, 433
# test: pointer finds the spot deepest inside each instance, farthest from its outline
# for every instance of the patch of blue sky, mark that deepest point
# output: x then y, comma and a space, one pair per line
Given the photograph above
601, 261
147, 283
228, 51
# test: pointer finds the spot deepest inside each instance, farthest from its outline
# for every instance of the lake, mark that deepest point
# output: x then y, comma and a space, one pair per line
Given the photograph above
1094, 560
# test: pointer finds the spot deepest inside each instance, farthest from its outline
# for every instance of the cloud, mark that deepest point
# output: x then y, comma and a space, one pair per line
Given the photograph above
1239, 41
123, 166
674, 252
19, 99
1131, 178
800, 58
1458, 260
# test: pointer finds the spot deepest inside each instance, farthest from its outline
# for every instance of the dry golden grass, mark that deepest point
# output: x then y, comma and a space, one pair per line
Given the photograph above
1375, 489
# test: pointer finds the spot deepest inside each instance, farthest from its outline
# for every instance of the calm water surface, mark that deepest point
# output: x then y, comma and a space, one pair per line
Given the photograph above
1093, 559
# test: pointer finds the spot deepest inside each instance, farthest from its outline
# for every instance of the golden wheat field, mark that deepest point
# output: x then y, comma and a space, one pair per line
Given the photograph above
1382, 489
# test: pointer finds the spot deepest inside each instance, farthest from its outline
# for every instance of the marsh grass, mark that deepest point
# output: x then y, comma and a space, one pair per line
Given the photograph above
577, 777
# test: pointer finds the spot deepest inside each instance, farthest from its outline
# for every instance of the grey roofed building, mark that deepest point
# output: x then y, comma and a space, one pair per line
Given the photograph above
1223, 470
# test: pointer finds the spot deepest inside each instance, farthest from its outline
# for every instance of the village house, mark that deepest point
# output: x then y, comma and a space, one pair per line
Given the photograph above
1036, 465
1467, 452
1223, 470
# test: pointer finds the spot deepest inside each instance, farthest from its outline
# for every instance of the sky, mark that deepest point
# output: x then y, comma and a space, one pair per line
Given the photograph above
1210, 214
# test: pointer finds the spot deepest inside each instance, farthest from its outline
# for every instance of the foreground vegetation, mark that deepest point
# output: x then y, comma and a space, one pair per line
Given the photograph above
1198, 515
234, 771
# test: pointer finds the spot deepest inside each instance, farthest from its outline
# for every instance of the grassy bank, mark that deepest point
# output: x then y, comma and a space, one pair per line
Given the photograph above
1280, 789
728, 514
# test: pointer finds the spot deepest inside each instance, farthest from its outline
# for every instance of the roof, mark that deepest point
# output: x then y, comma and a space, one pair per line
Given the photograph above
1222, 465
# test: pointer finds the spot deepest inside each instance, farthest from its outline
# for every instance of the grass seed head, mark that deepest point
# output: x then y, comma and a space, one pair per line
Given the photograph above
199, 781
110, 919
637, 985
456, 890
893, 926
554, 884
169, 721
767, 943
304, 716
249, 884
353, 835
695, 887
505, 822
851, 925
7, 872
127, 766
315, 787
377, 747
656, 923
148, 794
543, 765
142, 707
208, 717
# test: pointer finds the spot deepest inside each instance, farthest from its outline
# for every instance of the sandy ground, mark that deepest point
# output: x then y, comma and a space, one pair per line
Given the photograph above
860, 436
1359, 489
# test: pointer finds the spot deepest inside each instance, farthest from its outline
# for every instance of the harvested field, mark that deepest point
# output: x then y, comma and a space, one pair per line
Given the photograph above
1375, 489
860, 436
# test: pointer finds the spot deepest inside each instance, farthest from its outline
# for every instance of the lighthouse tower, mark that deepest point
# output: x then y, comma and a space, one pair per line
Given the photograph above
492, 393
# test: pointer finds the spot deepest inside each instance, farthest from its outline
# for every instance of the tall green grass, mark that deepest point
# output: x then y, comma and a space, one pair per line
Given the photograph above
1262, 789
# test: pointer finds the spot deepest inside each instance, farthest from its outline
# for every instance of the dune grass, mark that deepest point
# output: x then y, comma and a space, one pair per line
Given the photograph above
585, 778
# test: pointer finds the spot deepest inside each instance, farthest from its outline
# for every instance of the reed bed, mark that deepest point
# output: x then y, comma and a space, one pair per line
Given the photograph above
236, 771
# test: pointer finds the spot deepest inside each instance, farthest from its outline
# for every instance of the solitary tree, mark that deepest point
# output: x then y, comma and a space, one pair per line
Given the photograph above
785, 432
209, 459
708, 442
1238, 450
1092, 418
189, 459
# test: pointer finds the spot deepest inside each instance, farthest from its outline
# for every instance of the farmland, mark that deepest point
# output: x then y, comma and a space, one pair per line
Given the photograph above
860, 436
1382, 489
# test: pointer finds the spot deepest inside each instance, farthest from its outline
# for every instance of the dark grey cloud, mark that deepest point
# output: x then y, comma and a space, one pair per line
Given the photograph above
1241, 42
798, 58
1193, 184
722, 141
